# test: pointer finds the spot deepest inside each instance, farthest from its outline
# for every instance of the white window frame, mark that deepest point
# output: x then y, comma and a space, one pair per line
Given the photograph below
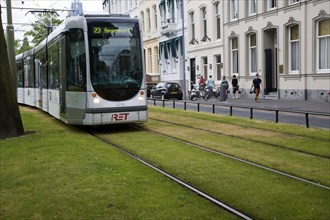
292, 2
148, 20
233, 10
217, 22
204, 67
295, 53
155, 17
192, 27
252, 7
204, 22
252, 56
326, 55
234, 53
217, 60
272, 4
143, 21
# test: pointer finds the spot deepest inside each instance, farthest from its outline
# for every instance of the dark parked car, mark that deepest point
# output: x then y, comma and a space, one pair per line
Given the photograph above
150, 86
167, 90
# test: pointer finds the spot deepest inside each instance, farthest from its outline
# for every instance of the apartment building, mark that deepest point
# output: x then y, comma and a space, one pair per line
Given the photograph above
148, 15
286, 41
172, 44
205, 39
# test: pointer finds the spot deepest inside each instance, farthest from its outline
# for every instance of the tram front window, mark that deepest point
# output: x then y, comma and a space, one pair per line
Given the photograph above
115, 59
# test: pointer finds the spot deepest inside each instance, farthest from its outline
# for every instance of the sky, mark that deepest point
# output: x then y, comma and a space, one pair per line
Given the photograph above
22, 18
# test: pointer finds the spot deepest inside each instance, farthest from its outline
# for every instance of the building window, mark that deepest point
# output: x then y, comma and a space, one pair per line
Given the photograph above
150, 60
218, 66
233, 9
155, 17
192, 27
293, 2
172, 12
178, 6
234, 55
294, 48
148, 20
271, 4
218, 20
252, 7
156, 59
162, 8
142, 20
253, 53
323, 46
204, 25
204, 60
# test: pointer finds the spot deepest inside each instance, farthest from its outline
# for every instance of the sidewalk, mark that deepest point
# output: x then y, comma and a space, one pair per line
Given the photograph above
306, 106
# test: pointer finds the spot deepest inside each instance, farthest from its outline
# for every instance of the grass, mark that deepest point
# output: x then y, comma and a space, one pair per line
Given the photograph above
60, 172
259, 193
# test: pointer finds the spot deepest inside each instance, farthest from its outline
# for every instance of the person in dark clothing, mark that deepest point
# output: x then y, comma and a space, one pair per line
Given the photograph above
234, 83
256, 84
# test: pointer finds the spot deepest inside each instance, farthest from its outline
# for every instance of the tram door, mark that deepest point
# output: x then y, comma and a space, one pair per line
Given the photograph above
62, 77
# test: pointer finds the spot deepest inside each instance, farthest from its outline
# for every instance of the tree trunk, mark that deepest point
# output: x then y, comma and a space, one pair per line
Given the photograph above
10, 118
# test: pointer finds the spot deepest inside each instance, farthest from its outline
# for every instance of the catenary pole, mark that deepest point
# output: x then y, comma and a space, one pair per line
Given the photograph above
183, 46
10, 42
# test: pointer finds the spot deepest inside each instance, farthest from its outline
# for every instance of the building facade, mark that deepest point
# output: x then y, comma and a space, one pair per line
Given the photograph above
172, 44
286, 41
148, 15
205, 39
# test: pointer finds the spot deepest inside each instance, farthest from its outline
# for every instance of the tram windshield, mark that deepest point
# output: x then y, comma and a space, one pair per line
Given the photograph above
115, 59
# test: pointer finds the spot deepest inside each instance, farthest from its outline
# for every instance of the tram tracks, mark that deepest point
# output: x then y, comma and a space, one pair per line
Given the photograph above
192, 188
131, 143
234, 158
243, 138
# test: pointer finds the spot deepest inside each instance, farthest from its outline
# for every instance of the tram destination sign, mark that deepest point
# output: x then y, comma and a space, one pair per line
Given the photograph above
109, 30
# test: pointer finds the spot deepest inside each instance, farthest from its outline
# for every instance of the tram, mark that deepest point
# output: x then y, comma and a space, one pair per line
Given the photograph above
88, 71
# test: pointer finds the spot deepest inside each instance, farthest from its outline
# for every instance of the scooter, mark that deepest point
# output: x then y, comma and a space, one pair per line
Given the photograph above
195, 94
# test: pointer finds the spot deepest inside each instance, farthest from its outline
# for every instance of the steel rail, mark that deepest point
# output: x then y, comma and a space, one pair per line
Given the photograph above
234, 158
247, 139
177, 180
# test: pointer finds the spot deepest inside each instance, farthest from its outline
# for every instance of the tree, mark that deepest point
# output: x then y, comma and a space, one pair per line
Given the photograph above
46, 22
24, 47
10, 118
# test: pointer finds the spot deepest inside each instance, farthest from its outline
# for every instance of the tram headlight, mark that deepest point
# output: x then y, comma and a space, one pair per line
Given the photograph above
96, 100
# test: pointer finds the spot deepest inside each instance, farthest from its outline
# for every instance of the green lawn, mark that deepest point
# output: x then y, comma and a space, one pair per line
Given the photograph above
60, 172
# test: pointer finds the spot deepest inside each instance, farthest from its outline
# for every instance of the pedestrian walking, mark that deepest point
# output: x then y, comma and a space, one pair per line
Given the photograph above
234, 83
256, 85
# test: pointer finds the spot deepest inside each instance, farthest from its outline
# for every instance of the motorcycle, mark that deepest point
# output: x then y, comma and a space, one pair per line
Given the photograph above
195, 94
212, 92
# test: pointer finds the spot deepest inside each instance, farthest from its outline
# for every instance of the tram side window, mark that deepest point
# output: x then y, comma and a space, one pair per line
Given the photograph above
53, 59
41, 66
76, 60
19, 74
28, 72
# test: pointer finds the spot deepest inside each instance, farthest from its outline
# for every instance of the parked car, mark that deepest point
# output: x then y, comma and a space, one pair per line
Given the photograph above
167, 90
150, 86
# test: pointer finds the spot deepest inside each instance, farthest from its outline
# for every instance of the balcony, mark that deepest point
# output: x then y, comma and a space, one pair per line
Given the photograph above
168, 28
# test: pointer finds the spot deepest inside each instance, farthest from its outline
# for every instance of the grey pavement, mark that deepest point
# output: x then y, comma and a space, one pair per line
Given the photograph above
291, 105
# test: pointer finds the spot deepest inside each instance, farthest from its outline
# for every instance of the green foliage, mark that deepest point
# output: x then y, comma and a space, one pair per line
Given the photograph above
40, 28
24, 47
